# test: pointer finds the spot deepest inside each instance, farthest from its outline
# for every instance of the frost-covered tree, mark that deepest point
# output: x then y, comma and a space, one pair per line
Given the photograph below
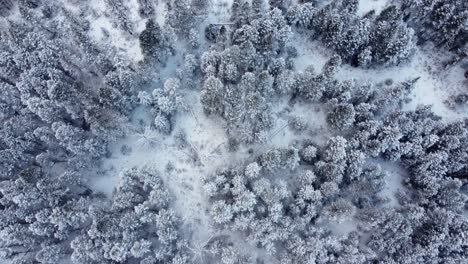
181, 17
5, 7
301, 15
272, 204
117, 9
366, 41
146, 8
154, 43
341, 116
127, 228
39, 214
392, 41
211, 95
438, 21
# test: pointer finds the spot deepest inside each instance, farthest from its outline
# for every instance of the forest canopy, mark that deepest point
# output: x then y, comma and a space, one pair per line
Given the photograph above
233, 131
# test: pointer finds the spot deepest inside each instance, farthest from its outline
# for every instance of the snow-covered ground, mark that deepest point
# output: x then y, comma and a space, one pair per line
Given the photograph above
395, 176
103, 30
309, 53
368, 5
281, 135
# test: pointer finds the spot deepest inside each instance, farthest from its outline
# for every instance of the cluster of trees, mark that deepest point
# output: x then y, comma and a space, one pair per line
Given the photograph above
164, 103
239, 72
40, 214
434, 153
441, 22
221, 249
370, 40
62, 98
44, 221
137, 225
118, 12
251, 62
156, 43
385, 39
279, 200
414, 234
147, 8
60, 101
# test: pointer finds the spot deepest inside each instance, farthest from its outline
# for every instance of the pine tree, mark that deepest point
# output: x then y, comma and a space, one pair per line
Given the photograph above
342, 116
211, 96
154, 44
146, 8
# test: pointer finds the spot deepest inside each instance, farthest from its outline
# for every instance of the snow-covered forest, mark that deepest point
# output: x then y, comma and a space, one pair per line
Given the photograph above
233, 131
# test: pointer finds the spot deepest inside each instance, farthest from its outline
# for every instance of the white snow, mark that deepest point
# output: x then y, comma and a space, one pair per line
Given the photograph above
317, 129
344, 228
368, 5
102, 30
395, 177
160, 10
310, 53
135, 16
220, 12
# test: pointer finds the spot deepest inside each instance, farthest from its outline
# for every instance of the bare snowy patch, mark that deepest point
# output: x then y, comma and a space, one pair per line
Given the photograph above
102, 30
368, 5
